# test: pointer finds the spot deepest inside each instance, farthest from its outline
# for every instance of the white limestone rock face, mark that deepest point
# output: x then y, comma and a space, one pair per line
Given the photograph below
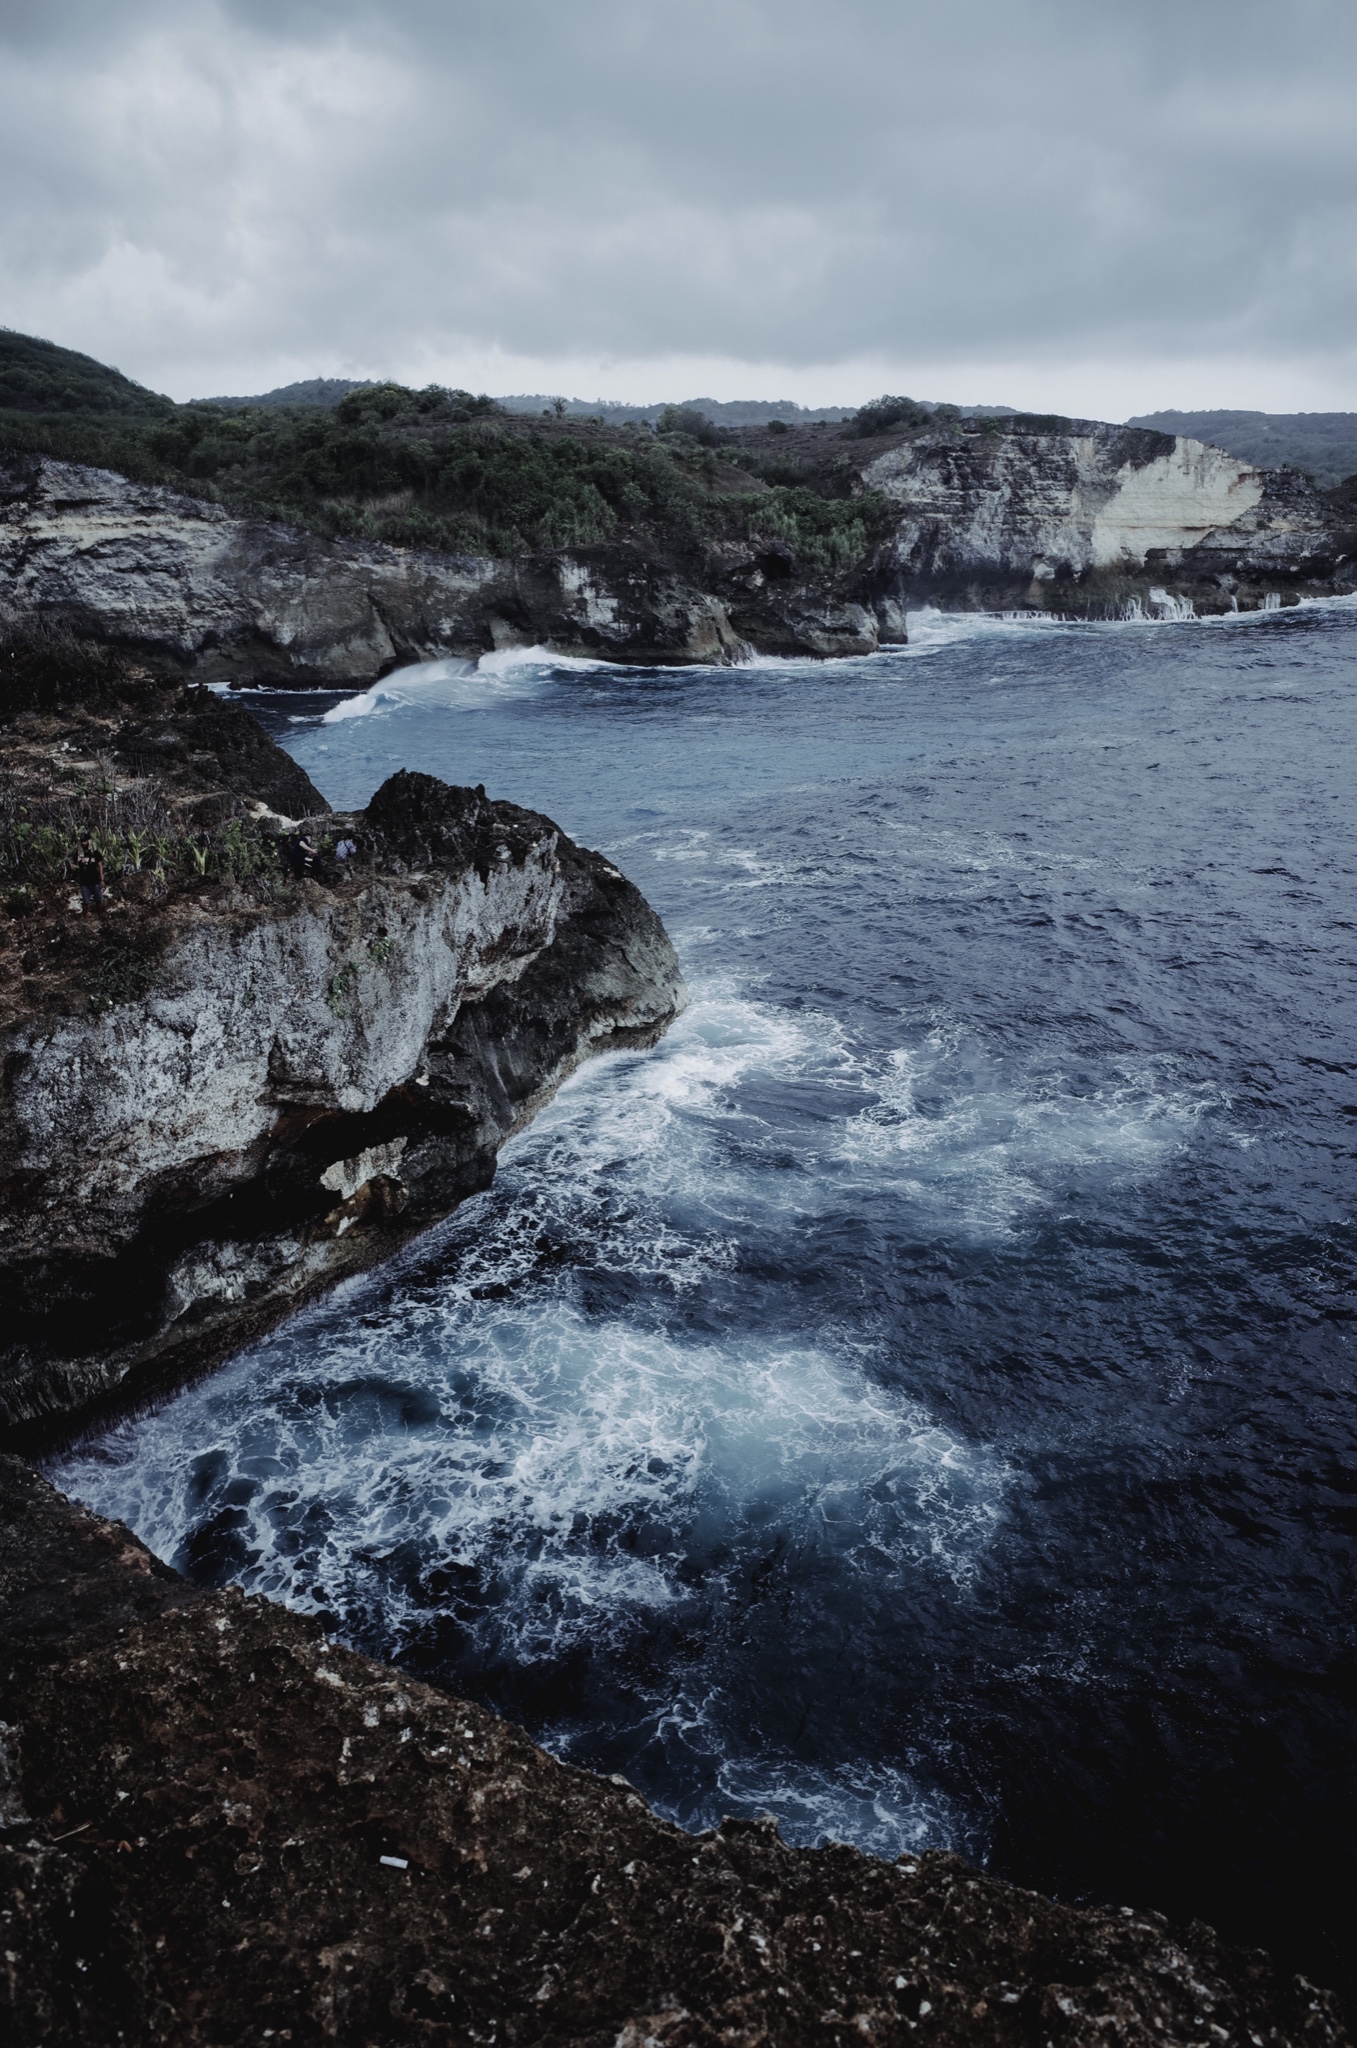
1171, 503
1089, 512
150, 567
250, 1016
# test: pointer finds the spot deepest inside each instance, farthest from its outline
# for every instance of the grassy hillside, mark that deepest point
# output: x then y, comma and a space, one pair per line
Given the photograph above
448, 470
1321, 444
323, 391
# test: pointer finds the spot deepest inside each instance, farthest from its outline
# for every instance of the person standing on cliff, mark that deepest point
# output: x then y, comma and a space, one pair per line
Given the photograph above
89, 873
301, 855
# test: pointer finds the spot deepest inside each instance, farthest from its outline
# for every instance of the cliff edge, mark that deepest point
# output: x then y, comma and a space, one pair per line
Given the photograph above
259, 1069
218, 1826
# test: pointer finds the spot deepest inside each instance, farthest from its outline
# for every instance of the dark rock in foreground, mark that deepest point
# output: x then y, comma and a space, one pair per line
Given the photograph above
219, 1826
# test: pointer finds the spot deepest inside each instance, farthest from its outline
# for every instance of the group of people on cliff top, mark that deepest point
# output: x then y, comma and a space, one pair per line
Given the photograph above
302, 856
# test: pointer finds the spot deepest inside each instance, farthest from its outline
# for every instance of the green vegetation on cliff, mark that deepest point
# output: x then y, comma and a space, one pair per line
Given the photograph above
54, 794
446, 470
1323, 445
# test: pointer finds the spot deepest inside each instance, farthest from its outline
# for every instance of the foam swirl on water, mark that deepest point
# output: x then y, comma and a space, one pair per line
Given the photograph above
476, 1468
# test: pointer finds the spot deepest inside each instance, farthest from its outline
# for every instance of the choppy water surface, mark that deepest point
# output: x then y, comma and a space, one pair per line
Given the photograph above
917, 1399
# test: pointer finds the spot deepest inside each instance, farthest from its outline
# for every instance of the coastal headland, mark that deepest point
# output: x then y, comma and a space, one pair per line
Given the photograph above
257, 1070
327, 545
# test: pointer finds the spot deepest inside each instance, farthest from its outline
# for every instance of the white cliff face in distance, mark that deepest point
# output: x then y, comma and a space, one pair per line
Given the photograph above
1095, 504
1172, 502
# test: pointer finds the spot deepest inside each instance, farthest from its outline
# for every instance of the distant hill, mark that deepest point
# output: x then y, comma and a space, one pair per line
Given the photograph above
38, 377
738, 412
1322, 444
722, 412
322, 391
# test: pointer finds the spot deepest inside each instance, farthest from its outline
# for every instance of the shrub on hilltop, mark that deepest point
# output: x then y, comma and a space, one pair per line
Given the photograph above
884, 414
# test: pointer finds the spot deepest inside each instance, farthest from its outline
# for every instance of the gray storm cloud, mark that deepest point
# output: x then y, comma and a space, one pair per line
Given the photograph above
192, 187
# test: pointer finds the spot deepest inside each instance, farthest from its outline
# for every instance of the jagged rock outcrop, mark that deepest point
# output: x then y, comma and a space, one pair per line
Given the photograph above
220, 1098
216, 1826
1076, 516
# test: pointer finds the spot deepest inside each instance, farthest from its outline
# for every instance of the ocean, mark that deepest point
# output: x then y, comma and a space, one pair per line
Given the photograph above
916, 1399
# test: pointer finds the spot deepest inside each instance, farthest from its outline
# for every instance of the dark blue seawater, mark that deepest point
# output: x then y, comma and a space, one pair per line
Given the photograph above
917, 1399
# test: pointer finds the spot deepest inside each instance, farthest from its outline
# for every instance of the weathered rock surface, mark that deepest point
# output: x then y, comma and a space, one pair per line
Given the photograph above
1084, 518
217, 1826
295, 1082
250, 600
1100, 517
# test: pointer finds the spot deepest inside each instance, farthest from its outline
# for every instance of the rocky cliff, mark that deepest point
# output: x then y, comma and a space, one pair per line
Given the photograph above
1072, 516
239, 1083
1085, 518
229, 599
217, 1826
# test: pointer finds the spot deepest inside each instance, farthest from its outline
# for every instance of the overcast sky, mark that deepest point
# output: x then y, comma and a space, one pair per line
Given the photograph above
1104, 206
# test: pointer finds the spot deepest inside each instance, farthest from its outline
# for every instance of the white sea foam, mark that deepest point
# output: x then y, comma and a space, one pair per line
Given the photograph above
932, 630
882, 1811
945, 1127
560, 1473
507, 661
547, 1441
453, 682
540, 1425
450, 685
564, 1483
978, 1149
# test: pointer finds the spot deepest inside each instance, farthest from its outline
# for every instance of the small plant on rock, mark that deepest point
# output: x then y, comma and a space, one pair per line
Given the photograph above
341, 988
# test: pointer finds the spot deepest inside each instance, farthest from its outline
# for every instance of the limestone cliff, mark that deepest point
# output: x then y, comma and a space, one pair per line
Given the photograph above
236, 1086
1084, 517
250, 600
1073, 516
